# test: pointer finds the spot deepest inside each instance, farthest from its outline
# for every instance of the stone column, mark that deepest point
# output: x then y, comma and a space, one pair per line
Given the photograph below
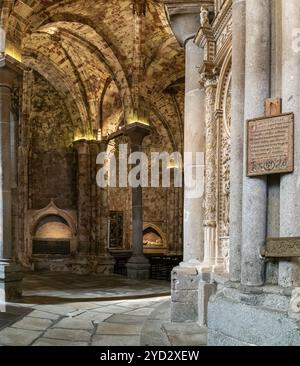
10, 275
93, 149
138, 266
171, 207
102, 212
210, 206
194, 142
237, 136
257, 89
83, 192
290, 189
185, 278
106, 261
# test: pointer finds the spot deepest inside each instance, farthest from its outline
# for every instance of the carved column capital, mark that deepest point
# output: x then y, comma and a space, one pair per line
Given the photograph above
137, 132
185, 17
209, 76
81, 146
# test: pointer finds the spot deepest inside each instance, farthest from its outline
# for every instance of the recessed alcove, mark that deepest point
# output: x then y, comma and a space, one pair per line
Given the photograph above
153, 240
52, 236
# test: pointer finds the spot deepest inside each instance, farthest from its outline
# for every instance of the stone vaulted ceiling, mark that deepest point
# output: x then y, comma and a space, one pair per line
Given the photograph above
86, 48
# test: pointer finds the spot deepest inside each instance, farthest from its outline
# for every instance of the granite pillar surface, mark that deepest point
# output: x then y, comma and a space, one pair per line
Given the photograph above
237, 136
138, 266
10, 274
257, 90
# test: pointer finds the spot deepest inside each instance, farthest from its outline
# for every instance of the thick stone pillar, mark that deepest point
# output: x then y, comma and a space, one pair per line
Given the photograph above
194, 142
138, 266
10, 274
237, 136
257, 89
185, 278
102, 213
93, 149
83, 191
290, 189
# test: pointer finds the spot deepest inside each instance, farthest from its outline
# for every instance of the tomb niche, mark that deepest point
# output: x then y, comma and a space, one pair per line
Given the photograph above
153, 240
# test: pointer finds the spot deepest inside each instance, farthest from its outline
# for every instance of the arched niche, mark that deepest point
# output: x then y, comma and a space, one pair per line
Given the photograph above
53, 232
154, 240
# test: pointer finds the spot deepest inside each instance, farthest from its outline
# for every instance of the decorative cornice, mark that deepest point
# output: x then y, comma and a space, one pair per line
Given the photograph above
222, 17
184, 17
204, 35
12, 64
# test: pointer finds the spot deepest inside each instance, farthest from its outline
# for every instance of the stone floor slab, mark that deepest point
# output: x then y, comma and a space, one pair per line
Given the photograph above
68, 335
70, 323
40, 286
188, 340
154, 341
93, 316
18, 337
48, 342
126, 319
115, 340
112, 309
62, 310
118, 329
4, 323
141, 311
33, 324
43, 315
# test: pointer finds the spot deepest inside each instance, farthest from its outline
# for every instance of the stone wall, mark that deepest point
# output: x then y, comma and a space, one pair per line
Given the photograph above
52, 160
162, 206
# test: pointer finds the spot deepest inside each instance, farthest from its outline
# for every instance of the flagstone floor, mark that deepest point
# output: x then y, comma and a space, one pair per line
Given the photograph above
70, 309
73, 310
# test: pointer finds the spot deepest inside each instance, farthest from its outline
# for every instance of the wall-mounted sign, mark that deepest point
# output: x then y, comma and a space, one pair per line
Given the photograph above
282, 248
270, 145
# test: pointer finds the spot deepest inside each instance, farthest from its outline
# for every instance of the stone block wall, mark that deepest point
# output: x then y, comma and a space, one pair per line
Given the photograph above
52, 161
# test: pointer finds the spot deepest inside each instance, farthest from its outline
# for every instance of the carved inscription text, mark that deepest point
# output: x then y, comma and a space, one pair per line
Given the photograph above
282, 247
270, 145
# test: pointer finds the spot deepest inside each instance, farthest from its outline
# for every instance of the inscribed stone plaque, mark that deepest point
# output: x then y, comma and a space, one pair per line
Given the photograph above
61, 247
282, 247
270, 145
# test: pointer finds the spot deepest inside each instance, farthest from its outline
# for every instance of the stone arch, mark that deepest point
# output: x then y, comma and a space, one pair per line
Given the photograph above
53, 218
155, 232
52, 210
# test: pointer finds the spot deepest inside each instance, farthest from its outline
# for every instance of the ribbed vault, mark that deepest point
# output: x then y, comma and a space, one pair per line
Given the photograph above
85, 48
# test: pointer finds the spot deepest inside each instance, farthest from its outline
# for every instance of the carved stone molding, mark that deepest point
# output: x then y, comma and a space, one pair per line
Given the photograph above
184, 16
295, 301
210, 210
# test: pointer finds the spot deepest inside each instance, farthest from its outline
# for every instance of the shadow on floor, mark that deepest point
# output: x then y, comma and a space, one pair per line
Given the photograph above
59, 288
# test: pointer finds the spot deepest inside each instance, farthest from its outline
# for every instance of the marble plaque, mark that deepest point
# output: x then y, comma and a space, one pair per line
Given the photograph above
282, 247
41, 247
270, 145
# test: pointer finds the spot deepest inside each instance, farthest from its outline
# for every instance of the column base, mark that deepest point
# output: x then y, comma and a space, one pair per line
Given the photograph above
191, 290
11, 278
236, 318
138, 268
